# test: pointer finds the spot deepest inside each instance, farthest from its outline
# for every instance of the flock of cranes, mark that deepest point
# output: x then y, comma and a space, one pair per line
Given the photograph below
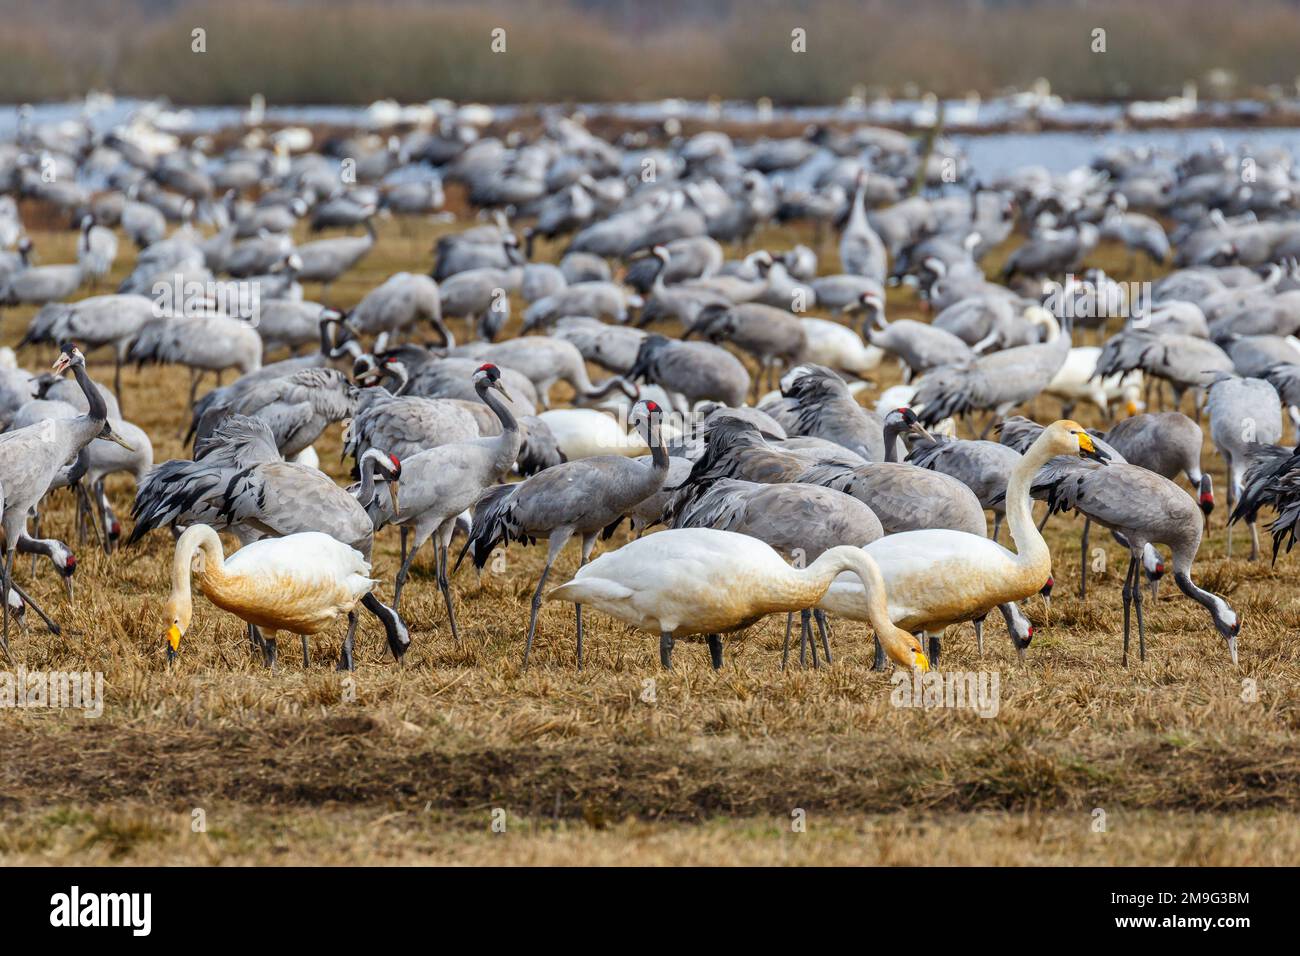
713, 388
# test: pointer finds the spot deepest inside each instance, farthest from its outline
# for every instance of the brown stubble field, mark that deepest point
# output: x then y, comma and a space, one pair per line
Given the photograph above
412, 763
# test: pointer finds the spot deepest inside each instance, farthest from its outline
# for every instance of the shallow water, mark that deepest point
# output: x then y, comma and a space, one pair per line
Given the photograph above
991, 153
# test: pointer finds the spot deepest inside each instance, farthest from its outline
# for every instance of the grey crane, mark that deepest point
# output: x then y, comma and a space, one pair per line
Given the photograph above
982, 466
31, 458
862, 252
1244, 414
996, 383
96, 249
299, 407
613, 347
238, 482
481, 297
691, 371
545, 361
679, 302
326, 259
37, 285
100, 321
396, 306
581, 497
440, 483
919, 345
1184, 361
598, 299
405, 425
691, 257
1272, 479
816, 403
211, 343
1052, 252
772, 336
336, 342
1166, 443
1145, 509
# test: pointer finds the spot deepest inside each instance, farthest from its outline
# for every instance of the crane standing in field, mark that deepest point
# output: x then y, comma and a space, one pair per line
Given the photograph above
581, 497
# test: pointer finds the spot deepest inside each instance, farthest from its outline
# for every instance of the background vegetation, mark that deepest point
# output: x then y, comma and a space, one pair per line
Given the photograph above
344, 51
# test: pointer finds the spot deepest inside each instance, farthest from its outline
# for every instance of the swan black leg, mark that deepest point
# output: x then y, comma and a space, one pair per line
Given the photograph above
979, 635
878, 662
346, 663
785, 650
715, 651
824, 629
666, 650
306, 657
934, 648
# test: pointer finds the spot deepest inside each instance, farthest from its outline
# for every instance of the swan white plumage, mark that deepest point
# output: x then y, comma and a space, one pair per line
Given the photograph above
1076, 382
300, 583
692, 581
838, 347
937, 578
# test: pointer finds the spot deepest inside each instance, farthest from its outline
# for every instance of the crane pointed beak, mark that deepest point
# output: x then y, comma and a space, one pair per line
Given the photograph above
502, 389
68, 583
392, 493
1232, 648
61, 364
118, 439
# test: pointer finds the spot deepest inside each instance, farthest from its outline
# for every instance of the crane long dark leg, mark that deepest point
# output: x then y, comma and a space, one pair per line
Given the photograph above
715, 651
588, 543
408, 558
666, 650
824, 628
26, 599
1137, 606
1128, 597
5, 583
556, 545
1083, 559
444, 583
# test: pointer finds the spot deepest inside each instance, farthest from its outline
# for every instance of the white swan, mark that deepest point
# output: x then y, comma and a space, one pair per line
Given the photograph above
300, 583
937, 578
692, 581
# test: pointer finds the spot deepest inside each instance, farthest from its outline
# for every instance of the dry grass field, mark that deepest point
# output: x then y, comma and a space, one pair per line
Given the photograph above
412, 763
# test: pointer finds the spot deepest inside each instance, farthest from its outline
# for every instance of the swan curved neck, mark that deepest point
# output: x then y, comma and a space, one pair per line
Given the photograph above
196, 538
1030, 545
822, 572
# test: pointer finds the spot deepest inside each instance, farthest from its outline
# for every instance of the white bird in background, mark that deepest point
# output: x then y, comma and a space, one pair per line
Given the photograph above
301, 583
692, 581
